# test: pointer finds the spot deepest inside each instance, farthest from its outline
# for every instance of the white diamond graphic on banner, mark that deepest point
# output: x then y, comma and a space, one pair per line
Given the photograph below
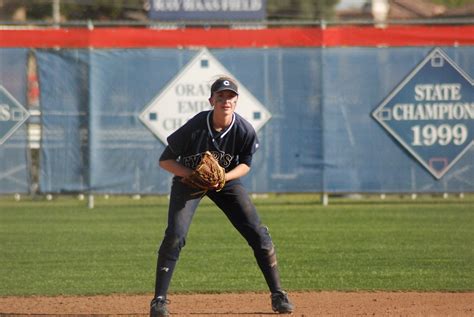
187, 94
430, 113
12, 115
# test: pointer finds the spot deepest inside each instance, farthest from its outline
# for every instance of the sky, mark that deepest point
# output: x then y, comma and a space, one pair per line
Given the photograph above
344, 4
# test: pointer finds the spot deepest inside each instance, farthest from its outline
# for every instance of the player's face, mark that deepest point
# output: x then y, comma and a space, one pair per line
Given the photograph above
224, 101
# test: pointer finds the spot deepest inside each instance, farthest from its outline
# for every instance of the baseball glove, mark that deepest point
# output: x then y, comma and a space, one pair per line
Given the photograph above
208, 175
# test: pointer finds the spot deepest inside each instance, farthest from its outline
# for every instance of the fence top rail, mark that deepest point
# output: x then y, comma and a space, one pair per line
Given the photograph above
235, 24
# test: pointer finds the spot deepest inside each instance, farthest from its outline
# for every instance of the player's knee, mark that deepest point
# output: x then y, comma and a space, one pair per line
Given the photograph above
266, 255
171, 246
263, 244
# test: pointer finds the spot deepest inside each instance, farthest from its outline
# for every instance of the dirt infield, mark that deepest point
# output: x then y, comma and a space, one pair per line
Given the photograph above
249, 304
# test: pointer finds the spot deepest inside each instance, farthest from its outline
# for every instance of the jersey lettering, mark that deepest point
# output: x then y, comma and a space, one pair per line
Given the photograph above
193, 161
232, 148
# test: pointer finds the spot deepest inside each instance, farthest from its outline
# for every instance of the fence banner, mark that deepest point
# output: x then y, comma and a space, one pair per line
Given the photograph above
14, 162
396, 156
64, 99
123, 152
323, 134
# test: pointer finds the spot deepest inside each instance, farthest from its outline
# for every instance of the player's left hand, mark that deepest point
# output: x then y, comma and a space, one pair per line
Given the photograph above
208, 175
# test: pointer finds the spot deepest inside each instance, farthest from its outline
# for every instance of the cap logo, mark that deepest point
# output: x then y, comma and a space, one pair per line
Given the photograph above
226, 82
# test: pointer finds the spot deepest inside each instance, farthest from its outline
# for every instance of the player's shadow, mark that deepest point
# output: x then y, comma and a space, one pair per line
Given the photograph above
234, 314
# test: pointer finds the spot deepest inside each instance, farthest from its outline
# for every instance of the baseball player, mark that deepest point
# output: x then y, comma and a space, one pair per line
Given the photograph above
232, 141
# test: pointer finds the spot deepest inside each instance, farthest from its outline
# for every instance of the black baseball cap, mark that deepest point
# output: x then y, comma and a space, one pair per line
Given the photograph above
224, 84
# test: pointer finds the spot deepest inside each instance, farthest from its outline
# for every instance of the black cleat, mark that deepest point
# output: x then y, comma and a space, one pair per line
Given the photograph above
158, 307
281, 304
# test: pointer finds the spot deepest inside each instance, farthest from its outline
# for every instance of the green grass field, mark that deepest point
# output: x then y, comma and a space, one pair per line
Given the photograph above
61, 247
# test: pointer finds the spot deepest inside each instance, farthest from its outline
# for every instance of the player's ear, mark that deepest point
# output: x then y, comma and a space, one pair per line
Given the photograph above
210, 101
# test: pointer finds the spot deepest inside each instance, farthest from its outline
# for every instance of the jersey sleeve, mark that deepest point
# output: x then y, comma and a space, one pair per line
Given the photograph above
249, 147
168, 154
179, 140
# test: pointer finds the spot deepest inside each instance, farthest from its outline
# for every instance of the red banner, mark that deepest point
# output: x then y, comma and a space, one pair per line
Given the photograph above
223, 37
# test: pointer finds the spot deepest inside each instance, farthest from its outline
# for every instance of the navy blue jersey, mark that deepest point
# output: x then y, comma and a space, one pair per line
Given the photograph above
232, 146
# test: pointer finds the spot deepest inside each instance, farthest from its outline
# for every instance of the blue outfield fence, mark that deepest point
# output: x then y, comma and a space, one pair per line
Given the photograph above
361, 155
336, 117
14, 158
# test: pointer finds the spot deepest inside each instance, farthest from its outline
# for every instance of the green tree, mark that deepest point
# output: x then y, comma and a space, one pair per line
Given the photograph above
301, 9
35, 9
99, 9
72, 9
453, 3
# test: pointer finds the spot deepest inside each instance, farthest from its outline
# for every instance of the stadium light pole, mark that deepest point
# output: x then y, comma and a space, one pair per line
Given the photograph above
56, 12
380, 10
